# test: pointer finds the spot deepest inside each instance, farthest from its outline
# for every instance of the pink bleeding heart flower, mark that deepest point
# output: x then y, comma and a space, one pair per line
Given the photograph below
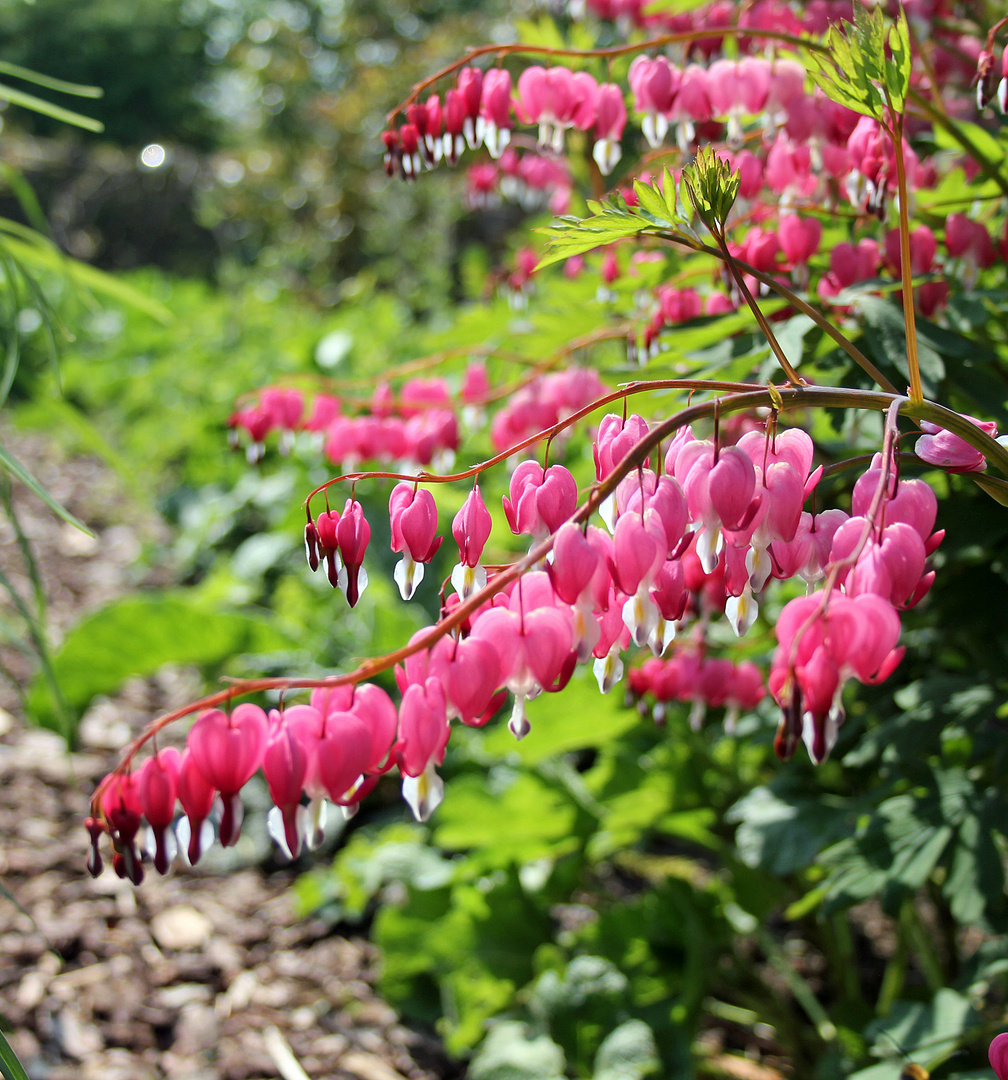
471, 528
423, 727
938, 446
353, 533
472, 676
378, 713
413, 516
638, 552
285, 766
343, 753
157, 788
540, 500
197, 798
121, 807
534, 644
328, 544
495, 110
799, 240
732, 484
616, 438
574, 562
998, 1055
610, 120
227, 750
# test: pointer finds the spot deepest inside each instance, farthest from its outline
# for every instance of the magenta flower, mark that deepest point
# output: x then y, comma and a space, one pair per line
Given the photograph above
938, 446
998, 1055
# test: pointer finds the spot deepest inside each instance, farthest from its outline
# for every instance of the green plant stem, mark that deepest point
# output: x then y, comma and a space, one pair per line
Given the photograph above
924, 947
913, 364
775, 346
810, 1004
843, 959
894, 975
796, 301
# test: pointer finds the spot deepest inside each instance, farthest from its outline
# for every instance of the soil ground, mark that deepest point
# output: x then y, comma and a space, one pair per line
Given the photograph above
197, 976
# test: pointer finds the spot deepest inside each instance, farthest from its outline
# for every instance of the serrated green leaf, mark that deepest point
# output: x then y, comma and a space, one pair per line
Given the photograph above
653, 201
563, 241
898, 63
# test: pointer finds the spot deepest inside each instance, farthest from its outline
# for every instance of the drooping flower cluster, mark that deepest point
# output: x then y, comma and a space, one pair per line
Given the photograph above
417, 426
877, 567
678, 547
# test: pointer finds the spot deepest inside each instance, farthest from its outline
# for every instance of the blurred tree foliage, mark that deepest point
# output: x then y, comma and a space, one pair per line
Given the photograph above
270, 113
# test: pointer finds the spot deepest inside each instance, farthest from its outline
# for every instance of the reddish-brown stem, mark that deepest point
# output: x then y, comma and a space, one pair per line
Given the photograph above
546, 433
594, 54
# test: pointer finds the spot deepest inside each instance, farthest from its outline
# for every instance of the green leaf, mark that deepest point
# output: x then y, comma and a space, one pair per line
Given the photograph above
9, 462
659, 200
540, 819
11, 1068
894, 854
587, 719
897, 62
511, 1052
573, 236
782, 834
628, 1053
933, 1029
138, 635
885, 339
853, 69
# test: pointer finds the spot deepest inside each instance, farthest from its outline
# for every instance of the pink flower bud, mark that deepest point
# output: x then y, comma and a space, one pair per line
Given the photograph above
423, 727
227, 750
948, 451
998, 1055
197, 798
343, 754
353, 533
157, 788
285, 766
471, 528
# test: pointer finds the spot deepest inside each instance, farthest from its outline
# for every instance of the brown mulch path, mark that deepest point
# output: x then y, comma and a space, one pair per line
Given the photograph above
190, 977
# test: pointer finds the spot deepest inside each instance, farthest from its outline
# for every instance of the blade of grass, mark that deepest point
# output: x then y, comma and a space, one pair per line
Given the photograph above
46, 108
37, 634
35, 251
25, 196
15, 468
60, 85
11, 1068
